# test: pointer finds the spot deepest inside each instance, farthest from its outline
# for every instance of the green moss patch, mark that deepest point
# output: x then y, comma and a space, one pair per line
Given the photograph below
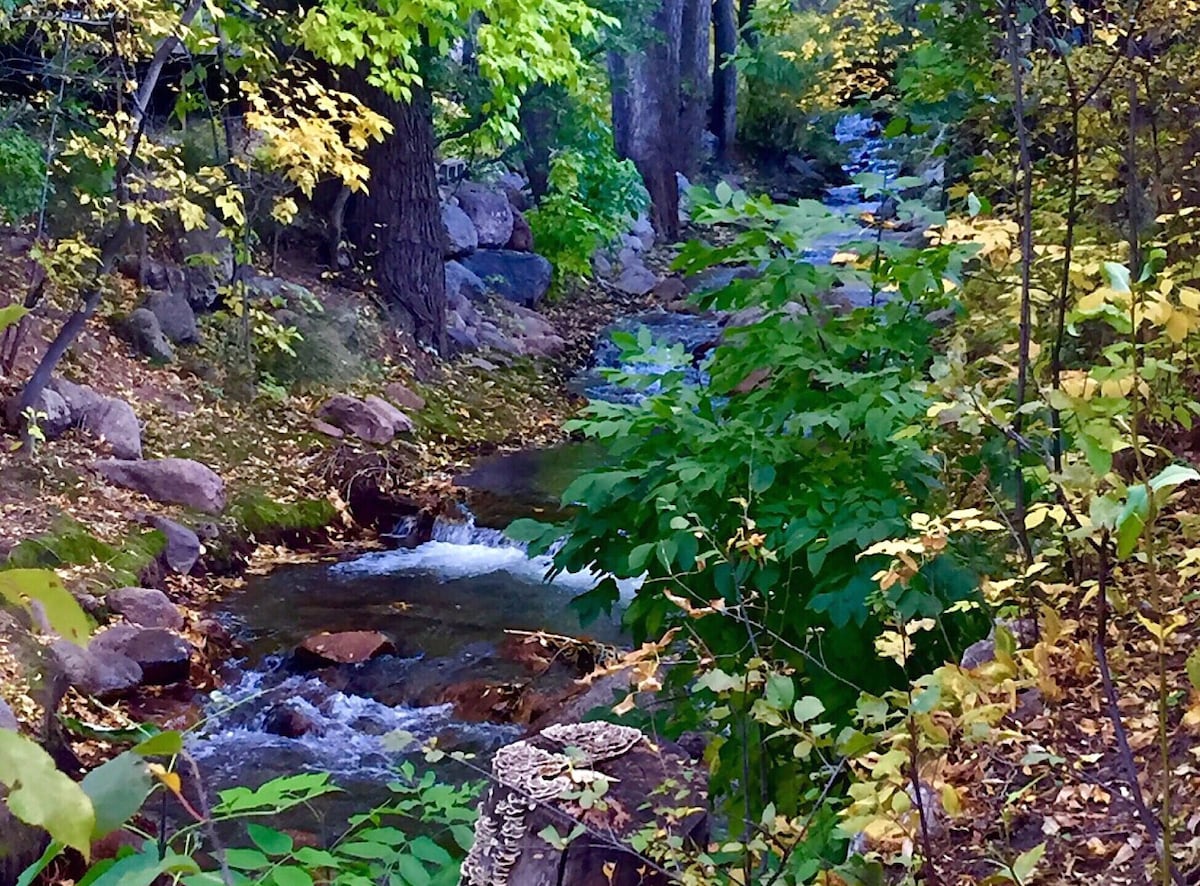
68, 543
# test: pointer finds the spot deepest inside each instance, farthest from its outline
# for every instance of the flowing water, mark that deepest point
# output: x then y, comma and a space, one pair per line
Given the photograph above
445, 604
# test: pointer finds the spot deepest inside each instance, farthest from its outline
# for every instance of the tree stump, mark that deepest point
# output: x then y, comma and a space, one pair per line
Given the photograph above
539, 783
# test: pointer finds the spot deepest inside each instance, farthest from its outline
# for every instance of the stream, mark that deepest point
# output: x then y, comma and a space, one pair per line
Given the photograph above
445, 604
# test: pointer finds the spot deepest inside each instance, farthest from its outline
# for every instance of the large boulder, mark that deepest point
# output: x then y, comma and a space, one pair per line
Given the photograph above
142, 330
145, 607
51, 410
171, 480
461, 236
164, 657
520, 277
175, 316
208, 259
490, 213
636, 279
183, 545
372, 420
97, 671
463, 285
115, 422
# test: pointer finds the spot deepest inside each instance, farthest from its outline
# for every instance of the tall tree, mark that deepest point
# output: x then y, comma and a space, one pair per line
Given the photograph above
725, 77
660, 102
389, 48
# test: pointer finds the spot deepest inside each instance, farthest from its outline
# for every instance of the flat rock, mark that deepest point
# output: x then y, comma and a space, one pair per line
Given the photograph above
145, 607
490, 213
346, 647
324, 427
183, 545
172, 480
372, 420
95, 670
404, 397
461, 236
520, 277
114, 421
164, 657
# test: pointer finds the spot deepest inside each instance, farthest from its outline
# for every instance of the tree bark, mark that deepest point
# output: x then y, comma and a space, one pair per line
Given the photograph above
659, 104
724, 102
397, 225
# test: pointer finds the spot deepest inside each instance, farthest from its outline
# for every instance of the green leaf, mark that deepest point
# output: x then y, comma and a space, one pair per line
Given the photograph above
723, 192
269, 840
762, 478
143, 869
896, 126
1173, 475
117, 790
24, 587
10, 315
1193, 668
808, 708
165, 744
413, 871
246, 859
291, 875
1027, 862
1118, 276
780, 692
42, 796
1132, 520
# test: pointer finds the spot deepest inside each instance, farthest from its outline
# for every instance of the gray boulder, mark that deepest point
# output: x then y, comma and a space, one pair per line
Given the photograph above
461, 236
490, 213
463, 284
53, 413
183, 546
520, 277
636, 279
115, 422
100, 672
171, 480
142, 330
372, 420
77, 397
208, 259
164, 658
145, 607
113, 639
175, 316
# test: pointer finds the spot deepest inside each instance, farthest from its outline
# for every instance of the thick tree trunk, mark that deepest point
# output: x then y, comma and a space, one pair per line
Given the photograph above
397, 225
659, 104
724, 103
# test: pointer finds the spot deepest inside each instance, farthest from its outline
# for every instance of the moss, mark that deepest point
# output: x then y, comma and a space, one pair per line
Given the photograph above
68, 543
258, 514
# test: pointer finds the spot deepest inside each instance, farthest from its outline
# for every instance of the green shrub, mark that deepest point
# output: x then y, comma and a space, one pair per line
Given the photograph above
22, 172
593, 199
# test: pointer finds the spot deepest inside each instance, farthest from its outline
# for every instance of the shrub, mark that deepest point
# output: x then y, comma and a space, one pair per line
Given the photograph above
22, 172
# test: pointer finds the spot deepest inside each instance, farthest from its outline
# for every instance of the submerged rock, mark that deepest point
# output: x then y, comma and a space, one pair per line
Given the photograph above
289, 721
172, 480
346, 647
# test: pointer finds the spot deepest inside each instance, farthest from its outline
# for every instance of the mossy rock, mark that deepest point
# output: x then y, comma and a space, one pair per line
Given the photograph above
68, 543
260, 515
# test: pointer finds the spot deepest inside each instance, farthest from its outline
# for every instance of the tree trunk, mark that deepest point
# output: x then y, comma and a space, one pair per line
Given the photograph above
724, 103
397, 225
659, 104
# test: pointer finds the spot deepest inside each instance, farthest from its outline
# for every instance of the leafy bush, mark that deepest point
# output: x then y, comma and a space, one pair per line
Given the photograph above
748, 503
22, 171
593, 199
